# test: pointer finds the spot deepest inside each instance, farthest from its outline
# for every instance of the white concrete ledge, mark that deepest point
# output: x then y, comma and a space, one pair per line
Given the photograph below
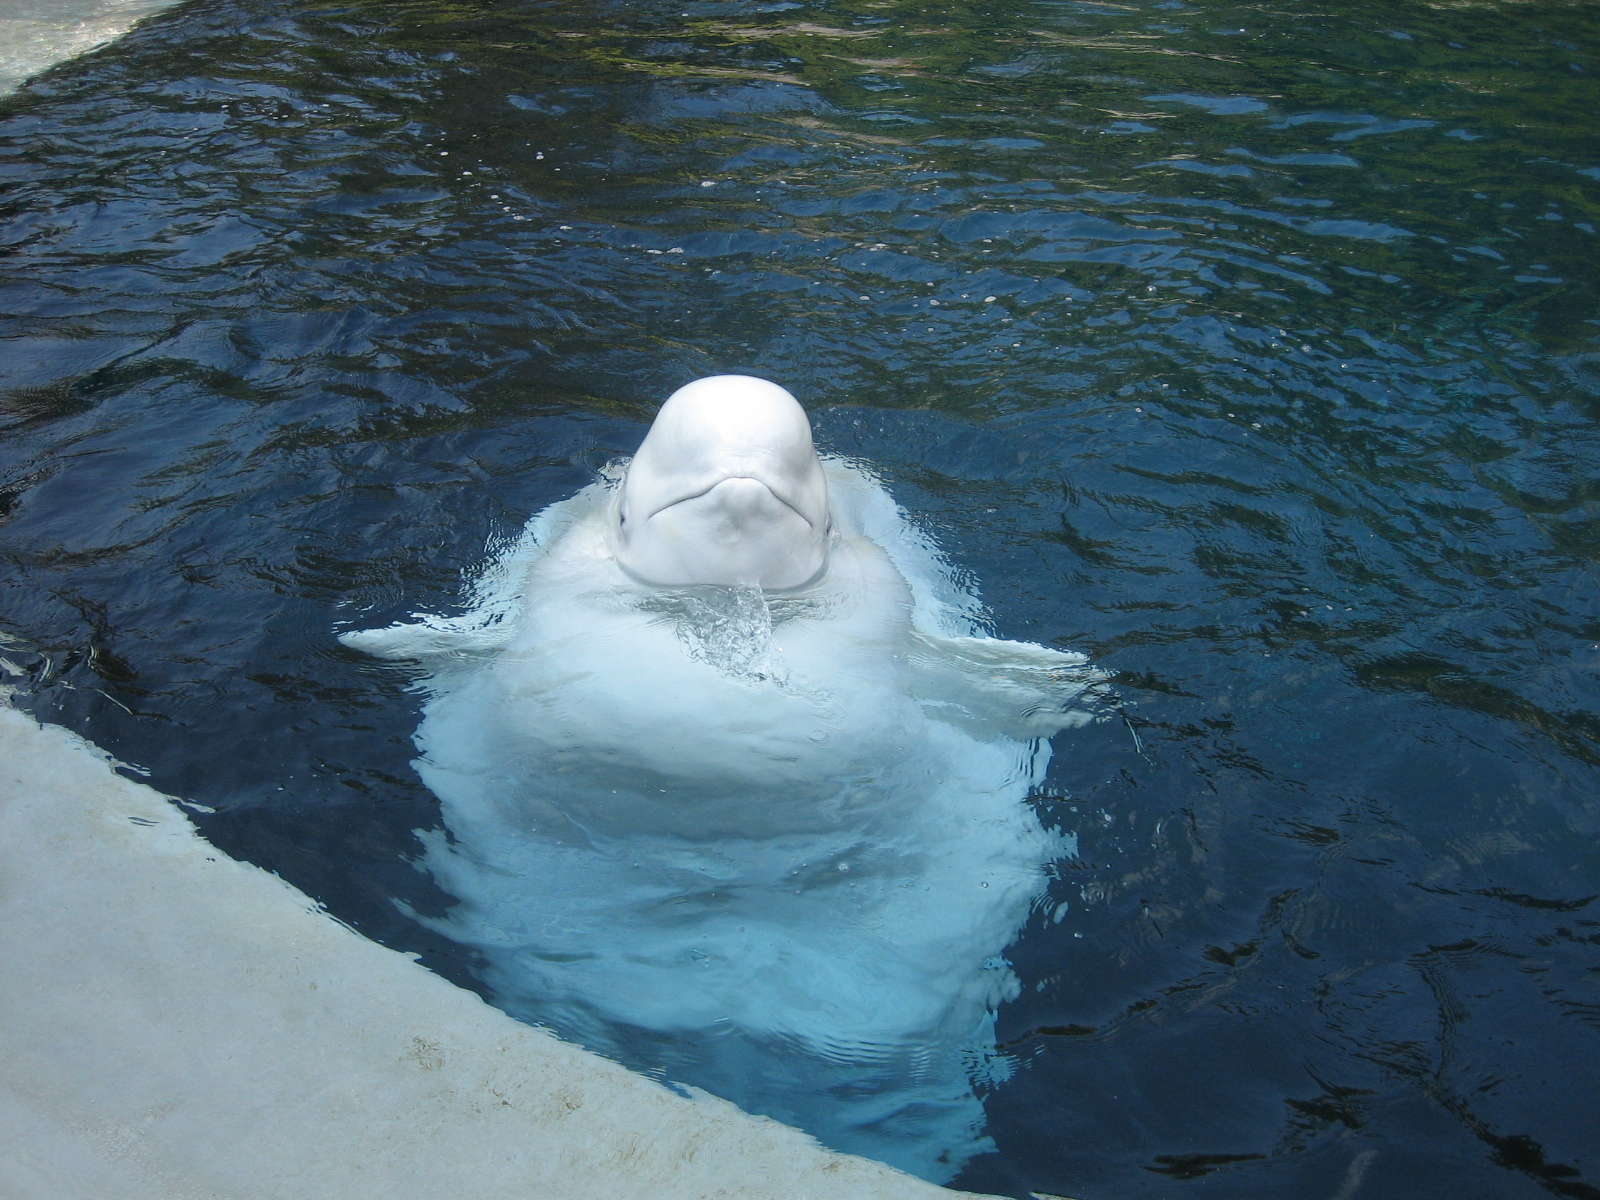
177, 1025
36, 34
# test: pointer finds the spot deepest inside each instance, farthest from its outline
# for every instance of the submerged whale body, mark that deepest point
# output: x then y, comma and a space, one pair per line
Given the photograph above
735, 785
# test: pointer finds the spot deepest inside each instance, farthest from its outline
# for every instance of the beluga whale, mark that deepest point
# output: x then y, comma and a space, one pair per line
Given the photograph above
734, 782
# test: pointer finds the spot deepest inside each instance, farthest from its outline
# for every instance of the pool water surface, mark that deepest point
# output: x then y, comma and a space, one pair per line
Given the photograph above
1251, 352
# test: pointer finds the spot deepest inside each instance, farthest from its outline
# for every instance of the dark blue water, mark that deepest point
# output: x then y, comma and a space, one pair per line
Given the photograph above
1263, 367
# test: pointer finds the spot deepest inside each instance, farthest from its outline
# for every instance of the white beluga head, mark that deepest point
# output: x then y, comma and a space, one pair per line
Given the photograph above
726, 489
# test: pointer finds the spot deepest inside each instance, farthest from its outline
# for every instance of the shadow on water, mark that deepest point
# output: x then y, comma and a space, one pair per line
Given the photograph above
1250, 350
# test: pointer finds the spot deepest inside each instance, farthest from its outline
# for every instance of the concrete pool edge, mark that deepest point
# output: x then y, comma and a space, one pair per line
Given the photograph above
35, 35
179, 1024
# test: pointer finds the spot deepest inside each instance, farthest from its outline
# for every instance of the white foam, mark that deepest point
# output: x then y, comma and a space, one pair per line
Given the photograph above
36, 34
179, 1025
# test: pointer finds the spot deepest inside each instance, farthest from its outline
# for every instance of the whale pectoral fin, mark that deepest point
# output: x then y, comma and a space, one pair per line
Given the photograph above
425, 641
991, 688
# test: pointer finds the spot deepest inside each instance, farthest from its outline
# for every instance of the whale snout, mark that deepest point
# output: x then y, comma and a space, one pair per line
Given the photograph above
732, 492
737, 532
726, 489
731, 505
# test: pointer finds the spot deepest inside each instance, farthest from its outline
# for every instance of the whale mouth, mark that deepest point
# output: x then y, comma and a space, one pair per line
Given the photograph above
738, 530
726, 479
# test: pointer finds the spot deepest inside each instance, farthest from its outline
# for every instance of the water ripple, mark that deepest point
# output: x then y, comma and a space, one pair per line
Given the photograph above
1252, 350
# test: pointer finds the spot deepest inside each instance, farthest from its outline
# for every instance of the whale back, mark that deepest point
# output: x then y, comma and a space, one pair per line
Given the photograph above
726, 489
